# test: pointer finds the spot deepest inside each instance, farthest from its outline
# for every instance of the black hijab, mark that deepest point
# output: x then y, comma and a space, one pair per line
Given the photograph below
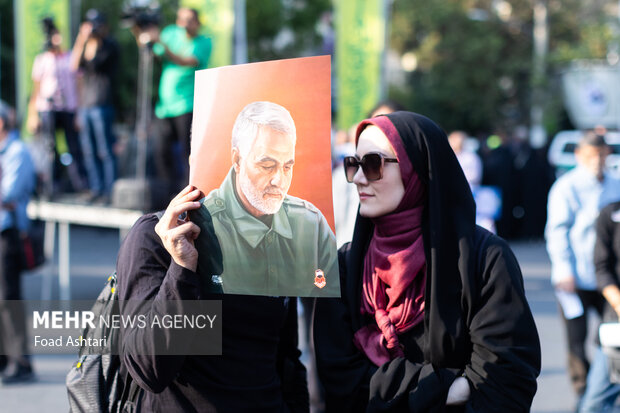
448, 230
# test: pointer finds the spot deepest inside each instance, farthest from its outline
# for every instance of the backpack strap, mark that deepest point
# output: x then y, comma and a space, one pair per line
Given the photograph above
132, 395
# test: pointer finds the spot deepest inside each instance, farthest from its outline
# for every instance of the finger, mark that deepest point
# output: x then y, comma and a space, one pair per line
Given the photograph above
188, 230
184, 191
192, 196
173, 212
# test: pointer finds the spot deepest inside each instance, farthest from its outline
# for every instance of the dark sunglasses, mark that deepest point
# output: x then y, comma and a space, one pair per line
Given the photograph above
371, 163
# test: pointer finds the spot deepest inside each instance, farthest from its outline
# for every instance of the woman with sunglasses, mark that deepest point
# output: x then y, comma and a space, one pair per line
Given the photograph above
433, 315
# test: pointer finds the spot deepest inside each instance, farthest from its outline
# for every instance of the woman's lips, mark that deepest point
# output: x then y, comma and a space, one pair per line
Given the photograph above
364, 195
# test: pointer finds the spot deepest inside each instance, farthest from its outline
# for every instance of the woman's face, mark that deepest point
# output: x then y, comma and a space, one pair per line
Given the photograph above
378, 198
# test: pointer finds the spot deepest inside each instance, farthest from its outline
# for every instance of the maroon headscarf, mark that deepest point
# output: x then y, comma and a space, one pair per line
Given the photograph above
394, 277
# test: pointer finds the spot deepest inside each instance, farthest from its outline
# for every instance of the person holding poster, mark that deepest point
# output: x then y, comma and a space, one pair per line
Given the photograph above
195, 250
433, 314
259, 368
273, 244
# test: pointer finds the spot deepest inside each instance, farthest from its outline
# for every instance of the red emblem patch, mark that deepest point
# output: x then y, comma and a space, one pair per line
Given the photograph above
319, 278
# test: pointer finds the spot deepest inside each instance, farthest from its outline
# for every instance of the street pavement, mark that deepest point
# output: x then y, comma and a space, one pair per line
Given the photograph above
93, 257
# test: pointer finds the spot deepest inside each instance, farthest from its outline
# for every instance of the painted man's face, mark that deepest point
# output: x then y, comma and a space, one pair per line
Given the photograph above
265, 174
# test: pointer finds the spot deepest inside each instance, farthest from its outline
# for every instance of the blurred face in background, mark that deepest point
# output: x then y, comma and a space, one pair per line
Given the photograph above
188, 20
592, 158
380, 197
456, 140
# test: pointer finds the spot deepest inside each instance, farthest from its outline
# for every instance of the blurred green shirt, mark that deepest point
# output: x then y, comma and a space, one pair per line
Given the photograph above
280, 260
176, 85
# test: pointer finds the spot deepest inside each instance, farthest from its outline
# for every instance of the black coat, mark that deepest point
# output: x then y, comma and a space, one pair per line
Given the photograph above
476, 320
259, 369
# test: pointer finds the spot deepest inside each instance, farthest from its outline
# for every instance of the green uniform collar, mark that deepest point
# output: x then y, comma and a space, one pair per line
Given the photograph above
249, 227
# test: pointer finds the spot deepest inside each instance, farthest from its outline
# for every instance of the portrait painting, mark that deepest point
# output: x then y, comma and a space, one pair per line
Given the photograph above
261, 155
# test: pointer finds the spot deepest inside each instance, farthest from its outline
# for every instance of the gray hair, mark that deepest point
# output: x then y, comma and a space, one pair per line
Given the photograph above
255, 115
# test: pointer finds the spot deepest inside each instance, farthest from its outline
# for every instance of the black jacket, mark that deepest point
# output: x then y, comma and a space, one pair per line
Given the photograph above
607, 253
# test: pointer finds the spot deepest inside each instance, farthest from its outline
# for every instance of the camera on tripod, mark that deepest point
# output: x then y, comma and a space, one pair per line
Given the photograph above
142, 18
49, 30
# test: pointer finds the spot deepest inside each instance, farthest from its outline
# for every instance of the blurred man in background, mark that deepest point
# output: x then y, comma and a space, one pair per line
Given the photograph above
469, 160
16, 185
183, 51
574, 204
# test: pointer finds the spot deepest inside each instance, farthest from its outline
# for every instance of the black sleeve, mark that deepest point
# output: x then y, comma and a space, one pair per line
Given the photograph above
291, 369
401, 385
105, 59
604, 256
343, 370
505, 359
146, 271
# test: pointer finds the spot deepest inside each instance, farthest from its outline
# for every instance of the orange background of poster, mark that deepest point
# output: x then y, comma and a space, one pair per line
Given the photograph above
300, 85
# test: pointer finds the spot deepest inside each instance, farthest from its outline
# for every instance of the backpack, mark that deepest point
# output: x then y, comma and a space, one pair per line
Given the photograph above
98, 382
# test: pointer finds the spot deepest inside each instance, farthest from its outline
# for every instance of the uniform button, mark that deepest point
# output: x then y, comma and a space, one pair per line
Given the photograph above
219, 203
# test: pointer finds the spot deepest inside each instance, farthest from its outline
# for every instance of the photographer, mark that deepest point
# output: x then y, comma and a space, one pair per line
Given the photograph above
53, 103
183, 51
96, 54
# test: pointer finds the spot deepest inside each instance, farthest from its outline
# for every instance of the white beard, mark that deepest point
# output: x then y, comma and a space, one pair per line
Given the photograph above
267, 206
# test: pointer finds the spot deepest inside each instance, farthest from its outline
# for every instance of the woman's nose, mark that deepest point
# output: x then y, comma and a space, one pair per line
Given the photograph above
359, 178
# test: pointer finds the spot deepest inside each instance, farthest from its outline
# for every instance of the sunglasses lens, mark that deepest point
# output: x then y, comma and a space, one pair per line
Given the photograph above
350, 167
371, 165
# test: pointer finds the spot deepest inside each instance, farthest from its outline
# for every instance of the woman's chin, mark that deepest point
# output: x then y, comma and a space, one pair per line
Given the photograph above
367, 212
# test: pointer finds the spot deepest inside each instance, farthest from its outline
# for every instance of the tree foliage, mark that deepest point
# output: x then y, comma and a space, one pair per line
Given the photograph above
475, 68
472, 67
278, 29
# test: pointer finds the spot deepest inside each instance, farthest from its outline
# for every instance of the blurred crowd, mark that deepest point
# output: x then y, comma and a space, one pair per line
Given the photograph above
73, 93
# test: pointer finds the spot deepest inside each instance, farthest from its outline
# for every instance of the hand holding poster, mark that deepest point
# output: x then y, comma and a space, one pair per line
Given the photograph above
261, 153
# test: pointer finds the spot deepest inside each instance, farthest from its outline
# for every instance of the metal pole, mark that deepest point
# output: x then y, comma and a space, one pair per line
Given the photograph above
64, 261
240, 33
387, 11
145, 78
538, 136
0, 53
76, 8
20, 92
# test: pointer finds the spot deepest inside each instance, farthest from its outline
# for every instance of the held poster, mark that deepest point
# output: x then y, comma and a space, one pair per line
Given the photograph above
261, 154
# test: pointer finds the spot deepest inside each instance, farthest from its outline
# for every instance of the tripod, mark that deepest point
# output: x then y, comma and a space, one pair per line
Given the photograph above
139, 192
143, 105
